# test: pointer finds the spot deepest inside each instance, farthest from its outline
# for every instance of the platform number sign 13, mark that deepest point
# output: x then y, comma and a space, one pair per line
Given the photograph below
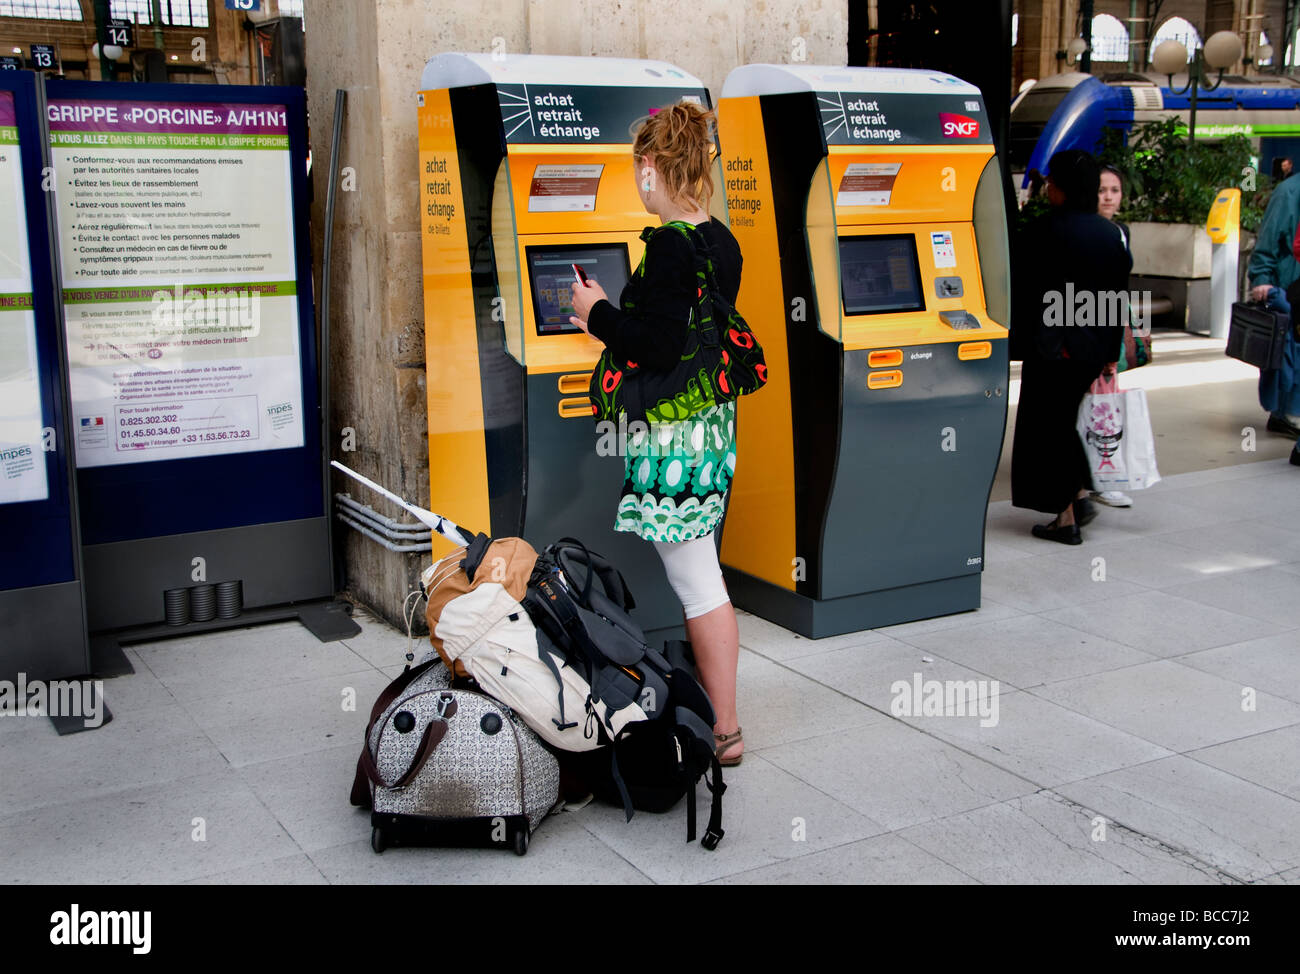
43, 56
251, 5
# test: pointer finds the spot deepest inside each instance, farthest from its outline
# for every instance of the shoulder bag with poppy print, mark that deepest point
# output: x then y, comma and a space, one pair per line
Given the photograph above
721, 361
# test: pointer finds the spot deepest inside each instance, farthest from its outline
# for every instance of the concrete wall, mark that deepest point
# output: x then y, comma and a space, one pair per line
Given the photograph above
376, 53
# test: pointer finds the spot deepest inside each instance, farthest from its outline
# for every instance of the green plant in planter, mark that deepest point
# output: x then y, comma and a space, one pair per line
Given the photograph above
1168, 180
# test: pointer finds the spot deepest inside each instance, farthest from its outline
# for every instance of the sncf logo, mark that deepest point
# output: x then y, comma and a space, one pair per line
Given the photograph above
959, 126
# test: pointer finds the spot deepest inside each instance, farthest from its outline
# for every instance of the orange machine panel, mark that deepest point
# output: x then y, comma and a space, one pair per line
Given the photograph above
457, 456
760, 531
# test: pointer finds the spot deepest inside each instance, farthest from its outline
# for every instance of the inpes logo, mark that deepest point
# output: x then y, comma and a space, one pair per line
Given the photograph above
959, 126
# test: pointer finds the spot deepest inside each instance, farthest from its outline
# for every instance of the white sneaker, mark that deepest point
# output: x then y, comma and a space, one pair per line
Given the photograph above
1113, 498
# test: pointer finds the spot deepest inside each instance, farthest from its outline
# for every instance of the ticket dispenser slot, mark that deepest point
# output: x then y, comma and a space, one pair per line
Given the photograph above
526, 169
876, 276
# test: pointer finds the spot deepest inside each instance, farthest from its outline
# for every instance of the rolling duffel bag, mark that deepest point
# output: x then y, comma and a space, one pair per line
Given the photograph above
449, 767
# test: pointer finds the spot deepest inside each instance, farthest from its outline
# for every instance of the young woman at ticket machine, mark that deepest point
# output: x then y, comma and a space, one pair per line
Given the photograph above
677, 477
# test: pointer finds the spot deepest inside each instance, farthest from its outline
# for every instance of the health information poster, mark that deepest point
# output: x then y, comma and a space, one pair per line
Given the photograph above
179, 273
22, 457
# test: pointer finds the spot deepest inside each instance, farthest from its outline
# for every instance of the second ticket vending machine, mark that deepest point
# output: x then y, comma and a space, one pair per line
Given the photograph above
868, 206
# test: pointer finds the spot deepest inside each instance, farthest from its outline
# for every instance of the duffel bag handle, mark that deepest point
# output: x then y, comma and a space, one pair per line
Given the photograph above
429, 741
366, 770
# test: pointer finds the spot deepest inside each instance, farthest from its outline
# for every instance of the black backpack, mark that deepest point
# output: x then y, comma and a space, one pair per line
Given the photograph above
579, 602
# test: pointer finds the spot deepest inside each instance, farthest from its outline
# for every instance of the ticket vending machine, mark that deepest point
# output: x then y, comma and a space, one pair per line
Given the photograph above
869, 209
525, 170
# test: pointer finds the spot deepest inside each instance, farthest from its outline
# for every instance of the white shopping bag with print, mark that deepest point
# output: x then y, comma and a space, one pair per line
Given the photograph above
1116, 432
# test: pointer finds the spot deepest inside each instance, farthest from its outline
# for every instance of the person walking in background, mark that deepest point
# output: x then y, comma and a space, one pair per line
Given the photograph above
1069, 250
1272, 270
1109, 199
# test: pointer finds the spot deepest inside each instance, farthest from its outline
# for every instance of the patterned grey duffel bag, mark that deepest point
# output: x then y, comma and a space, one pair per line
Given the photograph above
451, 767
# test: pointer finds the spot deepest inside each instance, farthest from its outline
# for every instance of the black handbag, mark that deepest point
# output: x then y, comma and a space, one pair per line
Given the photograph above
721, 361
1257, 335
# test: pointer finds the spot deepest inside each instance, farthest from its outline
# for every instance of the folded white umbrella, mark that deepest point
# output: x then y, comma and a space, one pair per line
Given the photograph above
444, 526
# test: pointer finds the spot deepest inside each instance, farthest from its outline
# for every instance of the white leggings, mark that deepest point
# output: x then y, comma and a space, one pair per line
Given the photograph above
694, 573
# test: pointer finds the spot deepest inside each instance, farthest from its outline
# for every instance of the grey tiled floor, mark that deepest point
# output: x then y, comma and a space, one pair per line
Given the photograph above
1148, 732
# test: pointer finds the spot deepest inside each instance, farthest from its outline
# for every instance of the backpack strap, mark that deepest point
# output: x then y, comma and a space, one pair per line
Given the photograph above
704, 269
597, 566
714, 833
545, 652
475, 552
703, 252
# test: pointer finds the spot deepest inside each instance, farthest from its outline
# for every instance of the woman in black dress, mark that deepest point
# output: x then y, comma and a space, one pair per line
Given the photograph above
1070, 265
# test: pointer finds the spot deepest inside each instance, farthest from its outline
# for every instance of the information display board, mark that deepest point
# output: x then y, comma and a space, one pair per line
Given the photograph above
42, 608
176, 235
182, 230
22, 460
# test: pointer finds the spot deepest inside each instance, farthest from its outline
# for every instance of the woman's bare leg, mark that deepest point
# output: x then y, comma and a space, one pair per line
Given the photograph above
716, 640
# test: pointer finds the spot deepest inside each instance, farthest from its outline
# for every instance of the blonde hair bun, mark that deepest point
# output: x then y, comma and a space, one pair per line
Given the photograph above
680, 138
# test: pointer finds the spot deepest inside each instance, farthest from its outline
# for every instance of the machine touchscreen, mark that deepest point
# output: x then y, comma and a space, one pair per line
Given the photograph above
880, 274
550, 270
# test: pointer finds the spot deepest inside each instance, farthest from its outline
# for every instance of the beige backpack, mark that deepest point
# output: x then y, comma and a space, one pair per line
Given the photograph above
508, 562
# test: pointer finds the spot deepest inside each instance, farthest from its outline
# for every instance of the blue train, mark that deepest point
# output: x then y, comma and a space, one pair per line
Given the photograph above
1069, 111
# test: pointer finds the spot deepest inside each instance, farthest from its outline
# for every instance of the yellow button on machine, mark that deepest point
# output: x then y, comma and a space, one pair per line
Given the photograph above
574, 384
969, 351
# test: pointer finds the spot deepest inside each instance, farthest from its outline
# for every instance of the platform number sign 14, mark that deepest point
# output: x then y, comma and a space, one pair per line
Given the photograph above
120, 33
251, 5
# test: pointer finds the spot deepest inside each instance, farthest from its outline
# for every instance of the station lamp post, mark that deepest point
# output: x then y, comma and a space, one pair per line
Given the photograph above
1221, 51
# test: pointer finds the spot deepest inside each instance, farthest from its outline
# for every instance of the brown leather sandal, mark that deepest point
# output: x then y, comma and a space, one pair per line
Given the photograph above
726, 742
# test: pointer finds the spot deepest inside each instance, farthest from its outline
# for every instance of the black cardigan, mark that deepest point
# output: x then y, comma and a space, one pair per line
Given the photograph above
653, 332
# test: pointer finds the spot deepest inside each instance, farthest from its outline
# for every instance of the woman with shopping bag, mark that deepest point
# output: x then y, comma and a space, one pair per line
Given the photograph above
1136, 350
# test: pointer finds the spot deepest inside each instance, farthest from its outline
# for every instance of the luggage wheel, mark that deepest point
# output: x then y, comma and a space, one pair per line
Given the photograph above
377, 839
521, 842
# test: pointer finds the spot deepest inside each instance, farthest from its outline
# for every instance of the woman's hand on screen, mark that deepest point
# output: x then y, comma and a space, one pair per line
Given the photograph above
584, 297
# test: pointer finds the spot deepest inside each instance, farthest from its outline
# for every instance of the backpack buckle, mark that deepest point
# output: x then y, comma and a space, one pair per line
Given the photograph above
712, 838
